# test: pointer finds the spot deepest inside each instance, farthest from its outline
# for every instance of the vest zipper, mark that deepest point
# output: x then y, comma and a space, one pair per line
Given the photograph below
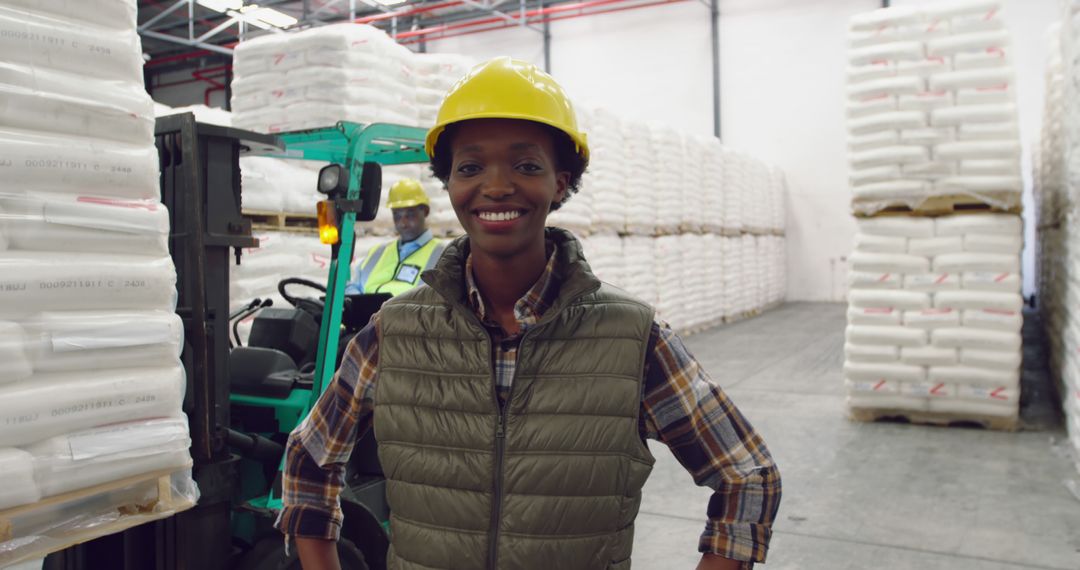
500, 451
496, 499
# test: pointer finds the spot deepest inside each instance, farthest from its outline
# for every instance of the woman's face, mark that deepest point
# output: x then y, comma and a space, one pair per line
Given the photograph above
503, 181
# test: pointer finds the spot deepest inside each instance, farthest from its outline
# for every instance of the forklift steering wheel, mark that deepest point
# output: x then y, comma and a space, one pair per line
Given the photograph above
313, 306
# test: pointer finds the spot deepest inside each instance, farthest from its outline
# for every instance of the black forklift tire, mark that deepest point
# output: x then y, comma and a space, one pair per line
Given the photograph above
269, 554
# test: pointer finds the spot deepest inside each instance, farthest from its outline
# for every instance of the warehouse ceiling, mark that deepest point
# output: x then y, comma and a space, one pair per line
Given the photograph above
176, 32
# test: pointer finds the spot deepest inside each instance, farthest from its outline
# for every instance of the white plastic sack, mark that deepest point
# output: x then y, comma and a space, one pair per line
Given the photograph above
932, 318
892, 190
897, 120
889, 155
31, 282
43, 162
1007, 281
1008, 302
90, 457
881, 244
889, 262
967, 43
974, 376
48, 405
978, 339
964, 114
929, 356
976, 262
994, 243
930, 247
79, 224
17, 473
968, 150
993, 359
882, 335
932, 282
993, 319
870, 372
89, 340
864, 176
902, 300
996, 224
901, 226
51, 43
973, 79
871, 353
868, 280
879, 316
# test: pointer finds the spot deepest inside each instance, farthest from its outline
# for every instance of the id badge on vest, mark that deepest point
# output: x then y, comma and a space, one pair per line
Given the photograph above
407, 273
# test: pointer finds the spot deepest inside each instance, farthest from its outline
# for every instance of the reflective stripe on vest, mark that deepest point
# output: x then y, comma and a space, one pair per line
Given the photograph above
388, 274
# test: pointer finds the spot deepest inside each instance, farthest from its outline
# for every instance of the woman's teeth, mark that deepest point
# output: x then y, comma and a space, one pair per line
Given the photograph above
499, 216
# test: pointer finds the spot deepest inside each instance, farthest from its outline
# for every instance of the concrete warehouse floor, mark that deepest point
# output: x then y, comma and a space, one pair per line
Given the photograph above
871, 496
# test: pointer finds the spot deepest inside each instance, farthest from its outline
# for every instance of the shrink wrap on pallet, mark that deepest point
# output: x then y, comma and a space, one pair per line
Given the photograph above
88, 333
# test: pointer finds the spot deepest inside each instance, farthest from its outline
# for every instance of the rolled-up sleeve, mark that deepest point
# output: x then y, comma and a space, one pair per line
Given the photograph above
320, 446
684, 409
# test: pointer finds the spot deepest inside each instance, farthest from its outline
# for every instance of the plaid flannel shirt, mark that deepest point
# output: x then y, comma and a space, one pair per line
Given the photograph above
681, 407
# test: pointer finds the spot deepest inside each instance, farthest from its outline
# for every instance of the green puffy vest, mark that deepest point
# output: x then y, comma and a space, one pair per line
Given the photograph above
554, 480
382, 271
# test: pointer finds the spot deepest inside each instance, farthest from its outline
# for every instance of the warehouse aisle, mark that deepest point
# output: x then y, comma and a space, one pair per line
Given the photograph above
882, 496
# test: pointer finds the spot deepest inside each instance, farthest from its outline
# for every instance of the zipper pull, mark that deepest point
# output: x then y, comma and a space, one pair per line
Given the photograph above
500, 430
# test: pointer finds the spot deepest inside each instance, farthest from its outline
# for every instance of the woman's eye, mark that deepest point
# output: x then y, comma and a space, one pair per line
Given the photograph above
468, 169
530, 167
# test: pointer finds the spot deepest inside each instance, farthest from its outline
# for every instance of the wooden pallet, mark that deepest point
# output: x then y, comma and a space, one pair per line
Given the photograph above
947, 206
282, 222
939, 419
742, 316
702, 327
164, 504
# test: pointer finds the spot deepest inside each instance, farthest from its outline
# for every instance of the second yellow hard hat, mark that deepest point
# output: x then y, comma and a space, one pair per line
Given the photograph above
406, 193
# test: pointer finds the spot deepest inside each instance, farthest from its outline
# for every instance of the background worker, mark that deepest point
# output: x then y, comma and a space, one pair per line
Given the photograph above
511, 395
395, 267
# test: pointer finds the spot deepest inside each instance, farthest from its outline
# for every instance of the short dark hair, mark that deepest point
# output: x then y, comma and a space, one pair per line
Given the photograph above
567, 159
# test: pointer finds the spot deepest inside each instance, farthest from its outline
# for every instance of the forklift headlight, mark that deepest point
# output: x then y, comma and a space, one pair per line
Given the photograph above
328, 222
332, 178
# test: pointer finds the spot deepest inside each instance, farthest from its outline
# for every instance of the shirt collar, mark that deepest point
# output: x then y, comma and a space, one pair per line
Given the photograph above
529, 308
420, 240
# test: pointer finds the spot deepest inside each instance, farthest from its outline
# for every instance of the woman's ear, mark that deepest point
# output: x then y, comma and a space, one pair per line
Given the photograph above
562, 186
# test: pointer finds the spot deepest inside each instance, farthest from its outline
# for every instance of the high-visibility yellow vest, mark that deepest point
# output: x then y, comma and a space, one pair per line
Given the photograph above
382, 271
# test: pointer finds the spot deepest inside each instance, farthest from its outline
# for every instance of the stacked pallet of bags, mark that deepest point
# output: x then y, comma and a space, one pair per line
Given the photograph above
434, 74
606, 179
932, 107
1057, 189
935, 308
314, 78
91, 383
935, 315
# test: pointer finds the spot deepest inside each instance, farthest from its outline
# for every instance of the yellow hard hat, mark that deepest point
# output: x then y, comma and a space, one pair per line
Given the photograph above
406, 193
506, 88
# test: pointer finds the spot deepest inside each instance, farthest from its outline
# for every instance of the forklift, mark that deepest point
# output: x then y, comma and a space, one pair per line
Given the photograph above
271, 389
243, 401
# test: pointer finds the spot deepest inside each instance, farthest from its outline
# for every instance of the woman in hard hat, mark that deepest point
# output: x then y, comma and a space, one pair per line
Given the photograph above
511, 397
395, 267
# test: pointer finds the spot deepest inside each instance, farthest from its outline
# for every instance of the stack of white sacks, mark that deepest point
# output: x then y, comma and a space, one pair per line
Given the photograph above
932, 106
91, 383
935, 315
1057, 194
314, 78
